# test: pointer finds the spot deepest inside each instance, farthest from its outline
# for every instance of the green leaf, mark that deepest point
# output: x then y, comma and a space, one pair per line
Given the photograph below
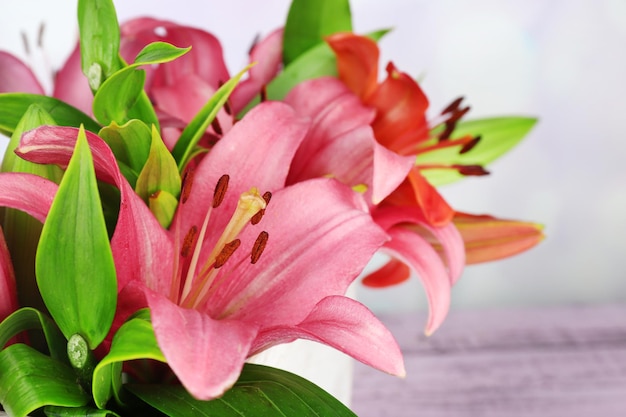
158, 53
99, 40
188, 140
135, 339
55, 411
498, 136
30, 380
130, 144
74, 264
159, 172
30, 319
260, 391
122, 98
309, 21
14, 105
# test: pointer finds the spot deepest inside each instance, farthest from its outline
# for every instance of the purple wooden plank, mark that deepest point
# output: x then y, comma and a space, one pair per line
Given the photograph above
513, 363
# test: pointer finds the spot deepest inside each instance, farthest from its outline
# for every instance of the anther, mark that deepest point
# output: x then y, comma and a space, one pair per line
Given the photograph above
470, 145
227, 108
220, 190
471, 170
215, 124
188, 242
226, 252
259, 215
453, 106
187, 182
259, 246
457, 114
263, 94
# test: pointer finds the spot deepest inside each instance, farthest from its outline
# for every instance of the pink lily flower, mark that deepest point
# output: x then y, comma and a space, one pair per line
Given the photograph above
342, 144
220, 286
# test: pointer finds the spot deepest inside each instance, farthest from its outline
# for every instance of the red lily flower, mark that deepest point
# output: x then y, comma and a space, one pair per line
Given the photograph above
214, 299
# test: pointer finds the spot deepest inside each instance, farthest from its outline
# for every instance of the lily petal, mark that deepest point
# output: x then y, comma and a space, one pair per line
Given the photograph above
488, 238
357, 62
415, 251
141, 247
16, 76
29, 193
207, 355
346, 325
392, 273
268, 55
8, 292
71, 85
205, 59
341, 143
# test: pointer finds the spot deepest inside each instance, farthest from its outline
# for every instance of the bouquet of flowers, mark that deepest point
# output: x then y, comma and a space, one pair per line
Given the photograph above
164, 220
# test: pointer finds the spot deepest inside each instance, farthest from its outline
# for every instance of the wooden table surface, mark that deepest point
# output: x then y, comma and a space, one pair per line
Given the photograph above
565, 362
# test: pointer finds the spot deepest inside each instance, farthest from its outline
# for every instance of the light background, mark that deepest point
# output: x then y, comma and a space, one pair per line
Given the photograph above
561, 60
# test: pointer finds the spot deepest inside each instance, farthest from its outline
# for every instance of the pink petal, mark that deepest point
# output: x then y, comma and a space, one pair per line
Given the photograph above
446, 237
413, 250
256, 152
341, 142
207, 355
29, 193
141, 247
71, 85
184, 100
204, 60
320, 239
8, 292
267, 55
15, 76
346, 325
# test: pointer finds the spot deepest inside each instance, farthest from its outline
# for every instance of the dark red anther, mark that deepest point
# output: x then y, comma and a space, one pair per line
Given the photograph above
267, 196
458, 114
447, 131
470, 145
263, 94
220, 190
187, 182
471, 170
215, 124
189, 241
227, 108
452, 107
226, 252
259, 246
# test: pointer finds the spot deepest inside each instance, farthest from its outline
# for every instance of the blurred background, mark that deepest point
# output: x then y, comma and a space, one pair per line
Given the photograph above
563, 61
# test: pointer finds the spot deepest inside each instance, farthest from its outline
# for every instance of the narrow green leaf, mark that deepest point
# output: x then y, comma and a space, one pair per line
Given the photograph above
309, 21
158, 53
30, 319
135, 339
74, 264
14, 105
30, 380
498, 136
99, 40
260, 391
130, 144
56, 411
188, 140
